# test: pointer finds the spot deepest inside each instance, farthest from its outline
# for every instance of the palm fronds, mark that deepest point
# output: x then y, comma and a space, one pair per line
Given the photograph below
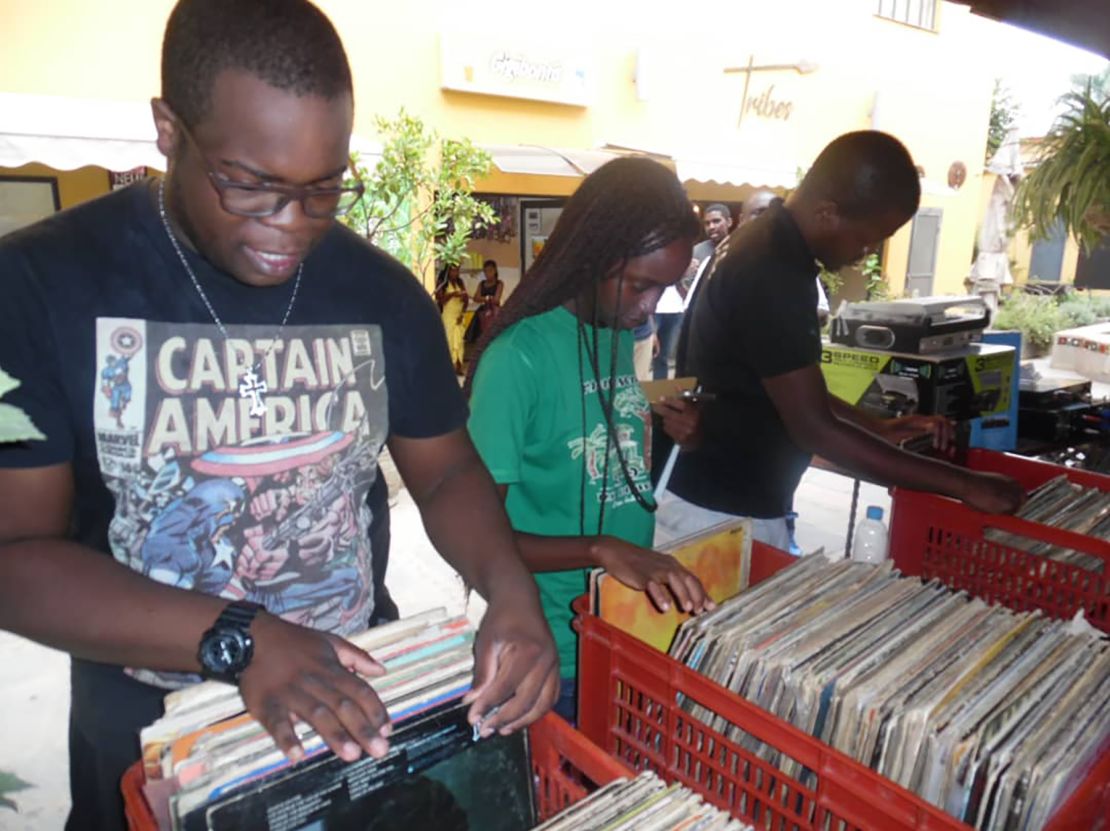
1071, 182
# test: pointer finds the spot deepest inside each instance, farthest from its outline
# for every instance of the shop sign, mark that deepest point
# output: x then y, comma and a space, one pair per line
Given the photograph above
764, 102
122, 178
515, 68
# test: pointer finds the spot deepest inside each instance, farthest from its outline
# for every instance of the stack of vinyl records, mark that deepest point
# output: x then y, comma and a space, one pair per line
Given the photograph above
210, 766
644, 804
1069, 506
992, 715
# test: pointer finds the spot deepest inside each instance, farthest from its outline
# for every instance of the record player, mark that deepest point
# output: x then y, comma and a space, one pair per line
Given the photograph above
920, 326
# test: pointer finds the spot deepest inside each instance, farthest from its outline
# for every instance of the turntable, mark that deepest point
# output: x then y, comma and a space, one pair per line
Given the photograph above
919, 326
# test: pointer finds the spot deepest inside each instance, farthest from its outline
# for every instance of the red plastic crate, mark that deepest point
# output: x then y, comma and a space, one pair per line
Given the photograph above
935, 537
627, 695
1032, 472
565, 765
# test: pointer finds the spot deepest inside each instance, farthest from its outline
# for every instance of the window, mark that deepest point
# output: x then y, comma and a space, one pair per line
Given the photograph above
26, 199
919, 13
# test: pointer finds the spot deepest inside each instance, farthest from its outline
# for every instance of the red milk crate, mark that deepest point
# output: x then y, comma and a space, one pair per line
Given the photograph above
935, 537
566, 768
627, 706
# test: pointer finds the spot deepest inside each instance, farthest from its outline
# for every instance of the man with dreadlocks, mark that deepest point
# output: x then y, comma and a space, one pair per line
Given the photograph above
556, 411
755, 342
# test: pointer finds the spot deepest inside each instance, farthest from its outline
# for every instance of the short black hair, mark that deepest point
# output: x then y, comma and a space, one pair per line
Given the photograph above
719, 208
866, 173
289, 44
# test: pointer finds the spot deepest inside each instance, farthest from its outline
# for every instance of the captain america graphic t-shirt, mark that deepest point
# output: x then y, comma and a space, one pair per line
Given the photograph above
239, 461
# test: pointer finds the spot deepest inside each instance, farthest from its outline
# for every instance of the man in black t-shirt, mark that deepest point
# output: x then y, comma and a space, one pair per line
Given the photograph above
754, 341
216, 364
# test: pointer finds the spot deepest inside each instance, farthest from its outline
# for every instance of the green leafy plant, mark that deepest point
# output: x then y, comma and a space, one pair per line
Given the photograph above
9, 784
1004, 112
1078, 311
831, 280
1071, 182
876, 284
1084, 309
1037, 317
15, 425
419, 203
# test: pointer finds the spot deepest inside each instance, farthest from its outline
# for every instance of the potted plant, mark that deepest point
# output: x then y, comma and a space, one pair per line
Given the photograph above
1037, 316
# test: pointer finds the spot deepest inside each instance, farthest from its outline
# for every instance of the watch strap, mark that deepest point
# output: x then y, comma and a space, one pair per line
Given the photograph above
238, 614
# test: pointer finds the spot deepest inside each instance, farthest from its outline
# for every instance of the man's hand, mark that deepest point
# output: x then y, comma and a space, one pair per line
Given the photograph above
310, 675
681, 421
898, 430
659, 575
992, 493
516, 667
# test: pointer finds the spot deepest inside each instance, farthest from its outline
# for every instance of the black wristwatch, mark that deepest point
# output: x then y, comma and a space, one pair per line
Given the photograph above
227, 648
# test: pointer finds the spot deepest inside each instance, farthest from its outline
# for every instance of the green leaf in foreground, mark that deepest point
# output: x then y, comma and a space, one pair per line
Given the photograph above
10, 783
15, 425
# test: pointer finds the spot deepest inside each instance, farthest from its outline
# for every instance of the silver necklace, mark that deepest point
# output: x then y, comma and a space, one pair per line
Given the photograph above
250, 385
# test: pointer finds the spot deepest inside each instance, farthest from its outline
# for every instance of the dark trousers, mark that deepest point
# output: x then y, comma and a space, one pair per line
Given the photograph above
667, 327
567, 703
106, 711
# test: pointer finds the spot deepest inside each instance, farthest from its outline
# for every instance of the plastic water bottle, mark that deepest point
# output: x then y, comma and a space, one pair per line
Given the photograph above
869, 543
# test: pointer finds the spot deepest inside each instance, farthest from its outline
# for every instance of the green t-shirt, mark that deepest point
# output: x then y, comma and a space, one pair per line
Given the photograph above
526, 421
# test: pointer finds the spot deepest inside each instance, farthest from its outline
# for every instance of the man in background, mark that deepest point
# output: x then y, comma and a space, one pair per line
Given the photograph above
671, 308
755, 344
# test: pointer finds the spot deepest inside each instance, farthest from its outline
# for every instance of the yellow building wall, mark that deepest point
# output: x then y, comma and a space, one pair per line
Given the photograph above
660, 84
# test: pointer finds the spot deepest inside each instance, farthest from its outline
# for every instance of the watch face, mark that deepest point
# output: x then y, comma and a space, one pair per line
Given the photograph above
225, 651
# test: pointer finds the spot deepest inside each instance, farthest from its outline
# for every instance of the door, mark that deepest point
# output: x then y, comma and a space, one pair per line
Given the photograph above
922, 265
1092, 271
1048, 256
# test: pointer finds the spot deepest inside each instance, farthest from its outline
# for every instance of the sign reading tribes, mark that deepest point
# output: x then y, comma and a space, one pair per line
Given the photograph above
217, 494
765, 104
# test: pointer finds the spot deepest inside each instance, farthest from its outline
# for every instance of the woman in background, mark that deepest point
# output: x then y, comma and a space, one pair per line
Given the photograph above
452, 297
488, 296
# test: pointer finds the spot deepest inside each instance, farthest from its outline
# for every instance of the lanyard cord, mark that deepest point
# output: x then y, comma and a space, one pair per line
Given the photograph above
608, 406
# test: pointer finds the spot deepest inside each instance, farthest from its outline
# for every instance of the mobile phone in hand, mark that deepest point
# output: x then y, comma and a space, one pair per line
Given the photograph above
696, 396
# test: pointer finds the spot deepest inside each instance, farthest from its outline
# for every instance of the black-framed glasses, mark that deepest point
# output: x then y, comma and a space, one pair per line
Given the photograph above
262, 200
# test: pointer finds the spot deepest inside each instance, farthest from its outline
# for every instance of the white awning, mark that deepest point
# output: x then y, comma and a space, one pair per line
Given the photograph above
536, 160
68, 133
734, 172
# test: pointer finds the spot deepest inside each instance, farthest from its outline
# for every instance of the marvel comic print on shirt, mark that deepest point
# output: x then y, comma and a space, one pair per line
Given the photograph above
247, 486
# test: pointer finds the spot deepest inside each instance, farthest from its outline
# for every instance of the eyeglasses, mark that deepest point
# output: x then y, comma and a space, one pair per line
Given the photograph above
262, 200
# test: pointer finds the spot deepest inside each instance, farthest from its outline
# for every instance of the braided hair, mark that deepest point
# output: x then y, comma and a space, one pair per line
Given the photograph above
626, 208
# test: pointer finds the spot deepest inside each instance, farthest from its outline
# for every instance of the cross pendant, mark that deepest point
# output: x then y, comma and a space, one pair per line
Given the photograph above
252, 387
